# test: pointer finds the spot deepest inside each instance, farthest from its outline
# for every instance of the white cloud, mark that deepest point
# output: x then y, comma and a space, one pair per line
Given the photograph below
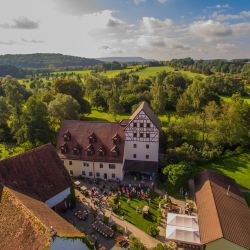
211, 30
224, 17
21, 23
162, 1
139, 1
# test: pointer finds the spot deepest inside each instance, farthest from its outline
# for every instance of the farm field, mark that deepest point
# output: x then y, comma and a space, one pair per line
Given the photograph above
152, 71
143, 73
236, 167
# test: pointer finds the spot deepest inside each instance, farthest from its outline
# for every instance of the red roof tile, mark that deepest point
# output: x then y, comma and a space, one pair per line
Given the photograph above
38, 172
101, 134
221, 214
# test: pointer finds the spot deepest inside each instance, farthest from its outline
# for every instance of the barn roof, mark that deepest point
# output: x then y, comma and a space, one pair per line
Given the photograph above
221, 214
37, 172
25, 223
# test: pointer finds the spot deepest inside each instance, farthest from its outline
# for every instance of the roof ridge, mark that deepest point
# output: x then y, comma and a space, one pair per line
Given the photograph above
20, 155
215, 205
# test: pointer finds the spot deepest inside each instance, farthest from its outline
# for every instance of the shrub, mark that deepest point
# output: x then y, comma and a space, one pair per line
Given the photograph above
154, 231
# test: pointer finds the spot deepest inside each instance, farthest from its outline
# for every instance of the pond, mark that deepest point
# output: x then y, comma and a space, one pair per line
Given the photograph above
68, 244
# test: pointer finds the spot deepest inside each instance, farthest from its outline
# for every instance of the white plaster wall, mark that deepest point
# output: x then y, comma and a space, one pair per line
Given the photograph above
77, 167
141, 151
58, 198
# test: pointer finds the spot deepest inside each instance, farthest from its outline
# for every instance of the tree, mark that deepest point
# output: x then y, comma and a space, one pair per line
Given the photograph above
73, 88
34, 123
158, 102
177, 174
114, 103
4, 111
63, 107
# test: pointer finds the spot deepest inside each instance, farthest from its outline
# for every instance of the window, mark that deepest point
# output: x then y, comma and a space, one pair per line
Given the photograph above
90, 174
134, 145
97, 174
148, 135
147, 146
112, 166
101, 165
135, 124
71, 172
134, 155
141, 134
147, 156
70, 163
148, 125
141, 125
85, 164
83, 173
135, 134
113, 175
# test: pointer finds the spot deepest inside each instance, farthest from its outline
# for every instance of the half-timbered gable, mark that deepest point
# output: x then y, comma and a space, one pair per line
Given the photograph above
142, 135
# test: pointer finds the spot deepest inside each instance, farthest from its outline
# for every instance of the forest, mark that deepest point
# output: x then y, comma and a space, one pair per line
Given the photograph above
204, 118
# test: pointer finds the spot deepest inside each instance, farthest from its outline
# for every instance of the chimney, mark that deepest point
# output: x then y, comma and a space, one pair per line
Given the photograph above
228, 189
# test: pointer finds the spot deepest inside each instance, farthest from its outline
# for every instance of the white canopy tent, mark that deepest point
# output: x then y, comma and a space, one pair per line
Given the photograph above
183, 228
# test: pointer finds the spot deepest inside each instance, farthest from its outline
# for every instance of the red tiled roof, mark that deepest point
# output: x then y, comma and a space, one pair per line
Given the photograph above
25, 223
81, 131
221, 214
38, 172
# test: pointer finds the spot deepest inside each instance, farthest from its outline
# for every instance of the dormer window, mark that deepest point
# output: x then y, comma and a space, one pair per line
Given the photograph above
102, 151
90, 150
135, 124
92, 138
115, 151
116, 139
64, 148
67, 136
77, 149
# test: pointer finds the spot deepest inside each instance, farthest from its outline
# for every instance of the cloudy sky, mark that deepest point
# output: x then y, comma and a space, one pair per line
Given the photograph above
155, 29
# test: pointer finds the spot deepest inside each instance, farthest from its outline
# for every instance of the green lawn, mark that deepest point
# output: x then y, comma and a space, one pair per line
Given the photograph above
153, 71
137, 218
229, 99
237, 167
103, 116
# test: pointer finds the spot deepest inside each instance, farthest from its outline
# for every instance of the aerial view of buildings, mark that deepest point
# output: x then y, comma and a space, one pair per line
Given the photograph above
125, 125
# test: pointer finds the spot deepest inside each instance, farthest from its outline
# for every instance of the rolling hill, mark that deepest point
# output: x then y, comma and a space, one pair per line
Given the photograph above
46, 60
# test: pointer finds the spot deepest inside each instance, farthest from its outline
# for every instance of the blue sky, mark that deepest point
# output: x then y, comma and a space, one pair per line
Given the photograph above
159, 29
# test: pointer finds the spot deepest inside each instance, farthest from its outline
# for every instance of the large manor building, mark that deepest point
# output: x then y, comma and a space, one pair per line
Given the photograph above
109, 150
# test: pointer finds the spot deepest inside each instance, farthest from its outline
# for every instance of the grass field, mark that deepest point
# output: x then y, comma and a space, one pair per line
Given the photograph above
137, 219
229, 99
103, 116
153, 71
237, 167
143, 73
